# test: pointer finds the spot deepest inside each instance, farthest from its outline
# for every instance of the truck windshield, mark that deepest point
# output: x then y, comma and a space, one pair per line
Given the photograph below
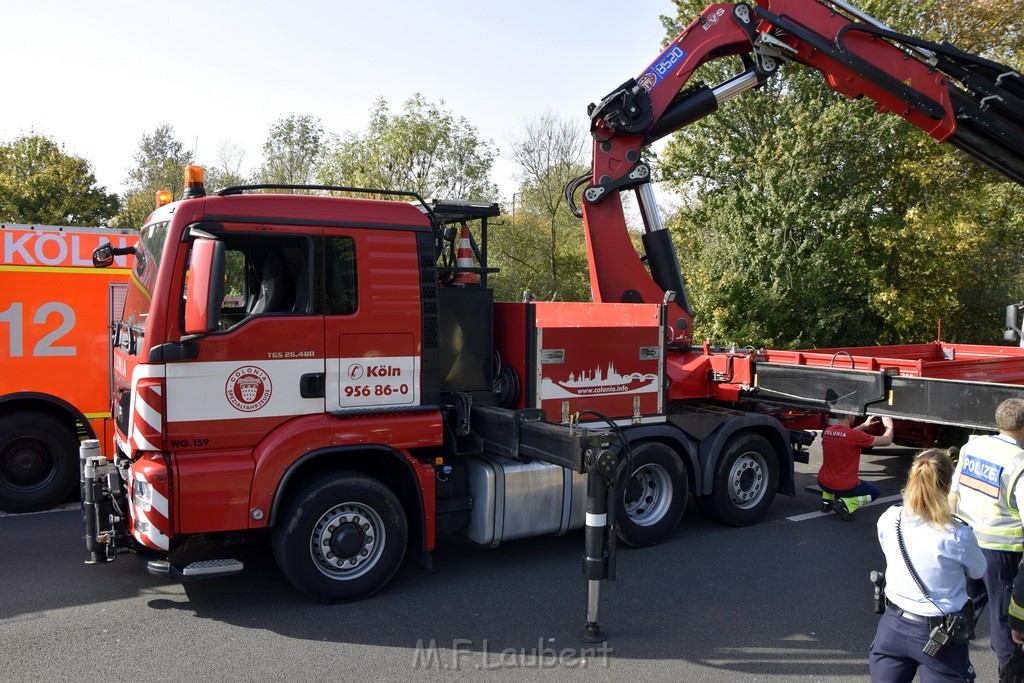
147, 262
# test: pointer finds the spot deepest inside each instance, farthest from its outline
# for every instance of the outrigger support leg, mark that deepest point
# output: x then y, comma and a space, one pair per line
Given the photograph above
525, 433
94, 470
599, 562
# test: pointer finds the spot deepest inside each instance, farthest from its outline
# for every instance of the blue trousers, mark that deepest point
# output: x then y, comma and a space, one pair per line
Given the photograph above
994, 589
863, 488
895, 656
861, 494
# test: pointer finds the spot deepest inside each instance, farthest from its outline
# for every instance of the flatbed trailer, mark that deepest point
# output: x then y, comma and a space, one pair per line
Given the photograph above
933, 360
938, 392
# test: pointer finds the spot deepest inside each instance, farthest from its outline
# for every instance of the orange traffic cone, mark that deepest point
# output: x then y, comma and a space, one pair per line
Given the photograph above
464, 259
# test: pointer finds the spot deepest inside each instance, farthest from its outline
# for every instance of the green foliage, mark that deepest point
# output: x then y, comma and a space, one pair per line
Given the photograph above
425, 149
41, 184
812, 221
159, 165
522, 250
292, 152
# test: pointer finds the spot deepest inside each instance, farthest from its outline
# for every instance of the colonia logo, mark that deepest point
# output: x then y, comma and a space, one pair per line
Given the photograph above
248, 388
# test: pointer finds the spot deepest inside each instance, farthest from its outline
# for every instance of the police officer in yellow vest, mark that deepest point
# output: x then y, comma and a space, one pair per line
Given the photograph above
988, 494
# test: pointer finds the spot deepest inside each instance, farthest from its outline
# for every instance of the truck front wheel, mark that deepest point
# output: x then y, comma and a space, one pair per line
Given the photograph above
38, 461
341, 538
746, 477
651, 493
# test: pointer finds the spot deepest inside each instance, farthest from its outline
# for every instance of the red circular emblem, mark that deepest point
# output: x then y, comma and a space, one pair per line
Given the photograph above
248, 388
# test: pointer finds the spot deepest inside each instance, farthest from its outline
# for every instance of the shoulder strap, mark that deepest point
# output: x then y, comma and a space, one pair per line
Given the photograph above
910, 566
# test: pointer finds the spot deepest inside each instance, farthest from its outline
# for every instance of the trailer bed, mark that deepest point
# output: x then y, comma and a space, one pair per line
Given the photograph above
935, 360
957, 385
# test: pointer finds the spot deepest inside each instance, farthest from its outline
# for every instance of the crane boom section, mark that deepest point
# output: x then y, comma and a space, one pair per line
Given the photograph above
970, 102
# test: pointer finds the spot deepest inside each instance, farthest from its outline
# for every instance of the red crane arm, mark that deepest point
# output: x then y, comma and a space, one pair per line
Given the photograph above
982, 114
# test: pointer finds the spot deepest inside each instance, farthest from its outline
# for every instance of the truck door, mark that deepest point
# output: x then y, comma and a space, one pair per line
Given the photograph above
264, 364
373, 321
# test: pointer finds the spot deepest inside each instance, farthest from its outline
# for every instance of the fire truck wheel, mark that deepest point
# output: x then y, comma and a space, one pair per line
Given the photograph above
746, 478
341, 537
652, 490
38, 461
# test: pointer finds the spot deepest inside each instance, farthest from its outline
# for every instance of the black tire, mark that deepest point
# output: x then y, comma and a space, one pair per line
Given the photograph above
651, 493
38, 461
746, 479
341, 515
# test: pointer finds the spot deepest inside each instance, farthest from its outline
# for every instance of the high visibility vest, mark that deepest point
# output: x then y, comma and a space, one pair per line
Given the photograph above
985, 477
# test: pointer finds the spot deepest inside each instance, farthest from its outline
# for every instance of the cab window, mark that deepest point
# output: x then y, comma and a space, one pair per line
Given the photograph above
265, 276
341, 284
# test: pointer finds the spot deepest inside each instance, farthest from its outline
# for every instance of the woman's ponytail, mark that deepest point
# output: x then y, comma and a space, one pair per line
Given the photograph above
927, 490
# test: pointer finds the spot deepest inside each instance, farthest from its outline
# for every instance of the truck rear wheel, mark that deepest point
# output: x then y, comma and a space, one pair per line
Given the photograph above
746, 478
38, 461
341, 537
651, 493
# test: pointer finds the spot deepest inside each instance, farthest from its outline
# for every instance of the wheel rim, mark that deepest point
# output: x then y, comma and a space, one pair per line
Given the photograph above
347, 541
648, 494
747, 480
26, 463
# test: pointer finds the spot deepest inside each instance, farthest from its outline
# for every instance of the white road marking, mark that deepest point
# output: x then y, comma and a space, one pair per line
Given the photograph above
811, 515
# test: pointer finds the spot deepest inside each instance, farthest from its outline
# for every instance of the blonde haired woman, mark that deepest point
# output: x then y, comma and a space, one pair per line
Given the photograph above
943, 553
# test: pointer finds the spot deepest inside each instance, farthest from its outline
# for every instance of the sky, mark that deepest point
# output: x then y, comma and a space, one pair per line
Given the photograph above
96, 76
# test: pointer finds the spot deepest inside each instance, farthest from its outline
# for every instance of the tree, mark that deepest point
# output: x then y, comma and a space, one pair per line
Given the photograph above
159, 165
544, 249
227, 167
813, 221
425, 149
292, 152
40, 183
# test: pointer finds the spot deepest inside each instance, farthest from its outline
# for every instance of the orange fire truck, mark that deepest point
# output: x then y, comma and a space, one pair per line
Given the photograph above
55, 315
325, 372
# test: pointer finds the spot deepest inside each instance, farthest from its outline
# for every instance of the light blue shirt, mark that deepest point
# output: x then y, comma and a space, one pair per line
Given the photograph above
943, 558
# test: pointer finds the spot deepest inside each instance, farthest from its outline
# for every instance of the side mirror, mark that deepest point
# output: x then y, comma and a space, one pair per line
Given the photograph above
1012, 316
205, 287
103, 255
1012, 323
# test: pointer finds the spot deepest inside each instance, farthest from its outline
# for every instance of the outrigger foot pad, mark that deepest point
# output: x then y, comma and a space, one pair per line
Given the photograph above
592, 633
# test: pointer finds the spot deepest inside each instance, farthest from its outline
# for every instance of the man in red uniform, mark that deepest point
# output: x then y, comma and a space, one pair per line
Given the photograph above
841, 445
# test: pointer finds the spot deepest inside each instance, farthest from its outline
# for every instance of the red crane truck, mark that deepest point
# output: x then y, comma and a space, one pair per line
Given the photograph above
939, 391
55, 314
322, 371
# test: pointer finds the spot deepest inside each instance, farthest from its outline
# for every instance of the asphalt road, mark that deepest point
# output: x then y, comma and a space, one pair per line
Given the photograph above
787, 599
